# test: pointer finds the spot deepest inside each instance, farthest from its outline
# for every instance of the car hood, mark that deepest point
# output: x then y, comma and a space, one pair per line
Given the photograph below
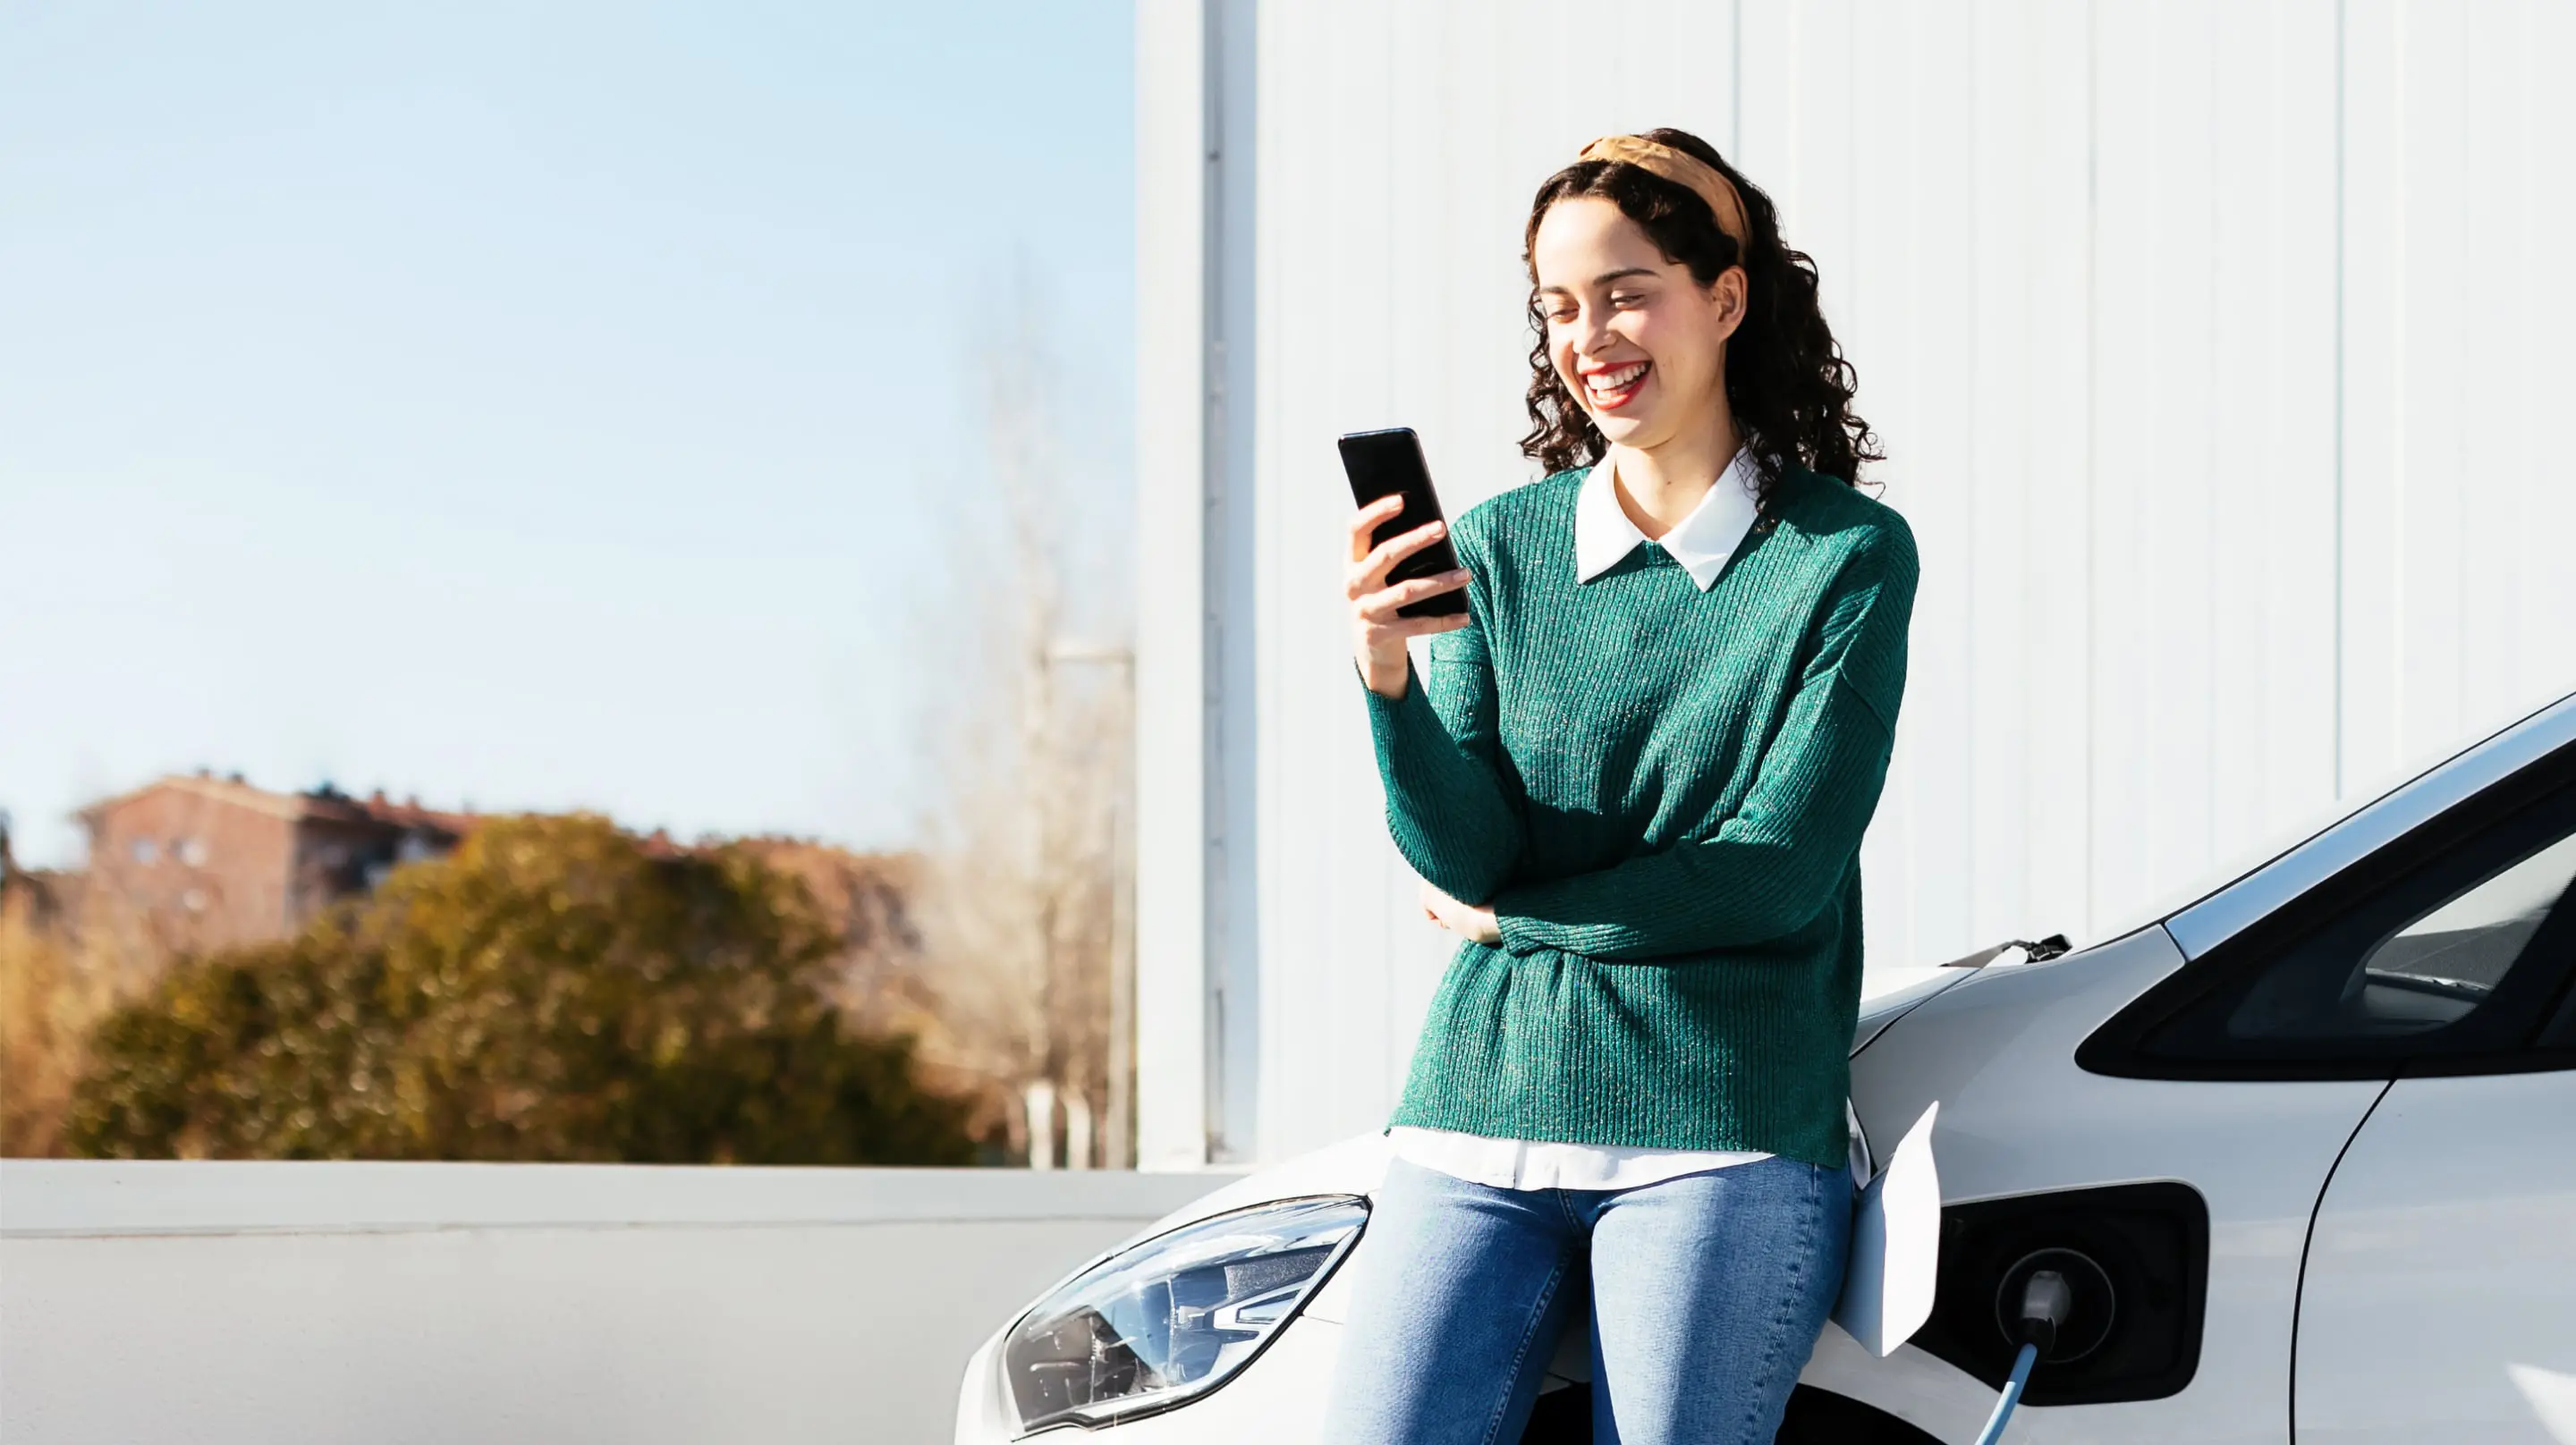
1904, 990
1356, 1165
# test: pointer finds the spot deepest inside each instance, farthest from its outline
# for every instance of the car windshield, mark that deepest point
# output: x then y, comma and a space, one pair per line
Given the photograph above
2201, 883
2316, 818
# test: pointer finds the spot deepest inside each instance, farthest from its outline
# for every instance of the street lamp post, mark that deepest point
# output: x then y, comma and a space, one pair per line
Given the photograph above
1118, 1131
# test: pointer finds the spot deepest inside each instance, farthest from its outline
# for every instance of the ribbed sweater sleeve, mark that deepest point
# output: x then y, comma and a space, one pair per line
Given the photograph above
1777, 861
1438, 754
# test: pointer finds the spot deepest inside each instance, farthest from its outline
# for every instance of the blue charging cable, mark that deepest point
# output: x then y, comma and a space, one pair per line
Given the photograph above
2045, 1303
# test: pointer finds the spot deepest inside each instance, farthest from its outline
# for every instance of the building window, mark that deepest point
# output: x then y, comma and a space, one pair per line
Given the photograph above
144, 850
191, 851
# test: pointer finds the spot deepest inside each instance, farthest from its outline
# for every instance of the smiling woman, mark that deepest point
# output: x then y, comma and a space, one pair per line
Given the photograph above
1786, 381
1635, 784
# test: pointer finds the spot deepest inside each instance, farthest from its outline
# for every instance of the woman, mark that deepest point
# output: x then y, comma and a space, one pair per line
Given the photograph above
1635, 782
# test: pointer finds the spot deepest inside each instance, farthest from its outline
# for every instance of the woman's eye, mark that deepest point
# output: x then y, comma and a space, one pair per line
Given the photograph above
1622, 298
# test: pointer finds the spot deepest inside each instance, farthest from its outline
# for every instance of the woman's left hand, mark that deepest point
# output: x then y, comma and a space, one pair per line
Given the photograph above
1457, 917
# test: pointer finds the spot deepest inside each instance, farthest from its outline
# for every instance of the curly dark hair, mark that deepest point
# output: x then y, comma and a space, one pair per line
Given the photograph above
1786, 379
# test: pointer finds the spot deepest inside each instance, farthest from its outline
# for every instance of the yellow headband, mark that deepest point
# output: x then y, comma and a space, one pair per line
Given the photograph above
1682, 169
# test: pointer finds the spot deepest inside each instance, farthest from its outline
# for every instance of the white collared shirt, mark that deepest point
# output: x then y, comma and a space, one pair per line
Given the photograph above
1701, 542
1550, 1164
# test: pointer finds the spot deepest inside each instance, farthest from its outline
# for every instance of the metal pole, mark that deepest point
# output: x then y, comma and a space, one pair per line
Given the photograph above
1118, 1130
1120, 1135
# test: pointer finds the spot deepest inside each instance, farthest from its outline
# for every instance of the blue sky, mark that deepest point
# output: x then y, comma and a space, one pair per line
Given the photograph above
529, 406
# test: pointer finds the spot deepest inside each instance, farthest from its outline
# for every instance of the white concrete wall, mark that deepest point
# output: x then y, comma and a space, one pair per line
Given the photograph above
2216, 344
283, 1302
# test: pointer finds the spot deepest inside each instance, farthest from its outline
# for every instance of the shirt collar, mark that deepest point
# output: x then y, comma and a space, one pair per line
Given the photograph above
1701, 542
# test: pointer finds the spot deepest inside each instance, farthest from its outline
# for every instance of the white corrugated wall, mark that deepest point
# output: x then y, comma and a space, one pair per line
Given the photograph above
2218, 350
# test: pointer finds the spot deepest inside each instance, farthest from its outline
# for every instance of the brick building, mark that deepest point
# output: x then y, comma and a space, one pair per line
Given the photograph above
204, 862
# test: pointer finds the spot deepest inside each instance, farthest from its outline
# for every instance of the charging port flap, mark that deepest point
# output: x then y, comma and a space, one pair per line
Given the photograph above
1889, 1286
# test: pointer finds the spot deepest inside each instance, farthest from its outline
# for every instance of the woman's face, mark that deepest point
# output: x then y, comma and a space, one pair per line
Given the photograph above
1632, 336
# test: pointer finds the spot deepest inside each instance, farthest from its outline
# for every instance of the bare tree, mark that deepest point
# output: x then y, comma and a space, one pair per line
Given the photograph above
68, 954
1021, 889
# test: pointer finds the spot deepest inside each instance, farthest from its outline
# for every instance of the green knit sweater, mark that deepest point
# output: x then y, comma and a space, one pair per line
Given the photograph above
1661, 793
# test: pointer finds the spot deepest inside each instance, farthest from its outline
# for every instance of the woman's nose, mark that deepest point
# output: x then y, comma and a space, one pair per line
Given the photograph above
1592, 333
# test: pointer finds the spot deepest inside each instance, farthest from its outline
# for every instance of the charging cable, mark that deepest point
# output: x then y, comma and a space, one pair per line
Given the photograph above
2045, 1303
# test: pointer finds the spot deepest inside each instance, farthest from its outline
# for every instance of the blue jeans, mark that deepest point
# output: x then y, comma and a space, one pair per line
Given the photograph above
1707, 1291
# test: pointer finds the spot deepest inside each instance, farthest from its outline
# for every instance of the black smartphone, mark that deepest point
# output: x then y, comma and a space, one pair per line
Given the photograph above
1380, 462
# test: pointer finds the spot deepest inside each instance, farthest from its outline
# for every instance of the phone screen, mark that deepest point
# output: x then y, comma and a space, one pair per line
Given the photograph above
1390, 461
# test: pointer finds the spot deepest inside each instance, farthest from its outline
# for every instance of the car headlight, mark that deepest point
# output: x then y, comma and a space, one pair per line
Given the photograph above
1170, 1319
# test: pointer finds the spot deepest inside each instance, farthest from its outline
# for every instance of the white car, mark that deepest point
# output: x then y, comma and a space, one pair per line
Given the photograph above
2305, 1147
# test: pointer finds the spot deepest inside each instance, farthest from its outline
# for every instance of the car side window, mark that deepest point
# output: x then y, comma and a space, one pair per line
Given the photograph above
2447, 951
2430, 972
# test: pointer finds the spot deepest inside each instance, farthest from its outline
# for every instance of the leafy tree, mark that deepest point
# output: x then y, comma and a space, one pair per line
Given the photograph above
554, 990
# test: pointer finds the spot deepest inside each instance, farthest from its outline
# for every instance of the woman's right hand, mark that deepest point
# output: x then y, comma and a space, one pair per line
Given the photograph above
1378, 634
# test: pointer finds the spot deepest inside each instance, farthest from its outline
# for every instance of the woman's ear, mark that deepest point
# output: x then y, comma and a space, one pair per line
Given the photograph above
1727, 293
